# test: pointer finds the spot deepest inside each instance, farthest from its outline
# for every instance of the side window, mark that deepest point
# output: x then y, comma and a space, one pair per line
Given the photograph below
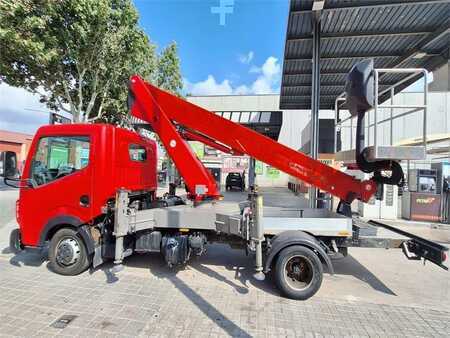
137, 153
59, 156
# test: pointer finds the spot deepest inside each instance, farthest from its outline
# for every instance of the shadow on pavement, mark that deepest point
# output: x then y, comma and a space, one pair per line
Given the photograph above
25, 258
111, 277
213, 274
350, 266
233, 260
209, 310
4, 187
159, 269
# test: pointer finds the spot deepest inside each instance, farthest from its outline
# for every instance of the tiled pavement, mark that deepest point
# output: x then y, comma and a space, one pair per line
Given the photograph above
146, 299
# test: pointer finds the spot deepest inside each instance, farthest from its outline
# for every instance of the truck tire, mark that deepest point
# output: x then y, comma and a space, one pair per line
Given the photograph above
67, 253
298, 272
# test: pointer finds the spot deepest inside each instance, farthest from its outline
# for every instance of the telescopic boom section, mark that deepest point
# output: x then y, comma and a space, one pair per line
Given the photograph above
161, 110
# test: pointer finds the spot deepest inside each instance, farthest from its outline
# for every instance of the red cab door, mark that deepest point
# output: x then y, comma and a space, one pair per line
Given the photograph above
59, 184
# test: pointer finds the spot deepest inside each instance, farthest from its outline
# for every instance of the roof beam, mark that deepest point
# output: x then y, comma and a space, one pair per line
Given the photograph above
309, 96
322, 72
347, 6
339, 35
308, 104
328, 84
345, 56
359, 56
419, 47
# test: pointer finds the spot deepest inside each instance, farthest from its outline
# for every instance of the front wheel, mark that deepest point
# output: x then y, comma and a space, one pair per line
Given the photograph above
298, 272
68, 254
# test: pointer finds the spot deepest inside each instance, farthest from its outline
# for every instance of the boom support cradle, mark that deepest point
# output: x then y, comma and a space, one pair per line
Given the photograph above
162, 110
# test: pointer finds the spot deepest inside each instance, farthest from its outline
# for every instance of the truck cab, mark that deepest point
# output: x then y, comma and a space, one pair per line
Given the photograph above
73, 171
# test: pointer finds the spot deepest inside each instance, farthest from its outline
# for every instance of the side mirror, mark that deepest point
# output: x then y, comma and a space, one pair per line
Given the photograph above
8, 164
359, 87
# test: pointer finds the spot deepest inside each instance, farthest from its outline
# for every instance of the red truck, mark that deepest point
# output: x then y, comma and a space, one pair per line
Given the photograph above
88, 195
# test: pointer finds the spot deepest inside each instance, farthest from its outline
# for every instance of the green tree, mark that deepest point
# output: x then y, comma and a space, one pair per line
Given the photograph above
168, 76
77, 55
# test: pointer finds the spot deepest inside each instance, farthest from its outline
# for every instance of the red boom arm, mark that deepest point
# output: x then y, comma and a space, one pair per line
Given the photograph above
161, 109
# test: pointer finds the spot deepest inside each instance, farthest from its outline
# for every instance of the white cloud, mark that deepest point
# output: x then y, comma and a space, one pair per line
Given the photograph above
20, 110
271, 67
267, 82
269, 78
261, 86
208, 87
246, 58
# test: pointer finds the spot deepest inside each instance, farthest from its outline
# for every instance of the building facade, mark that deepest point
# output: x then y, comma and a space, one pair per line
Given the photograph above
16, 142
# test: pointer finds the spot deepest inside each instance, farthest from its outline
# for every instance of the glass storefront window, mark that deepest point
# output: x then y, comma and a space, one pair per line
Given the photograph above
254, 116
235, 116
265, 117
245, 116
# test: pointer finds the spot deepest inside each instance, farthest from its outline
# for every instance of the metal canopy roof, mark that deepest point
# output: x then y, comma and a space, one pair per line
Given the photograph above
267, 123
396, 34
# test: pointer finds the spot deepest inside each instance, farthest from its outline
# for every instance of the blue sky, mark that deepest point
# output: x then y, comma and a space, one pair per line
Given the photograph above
231, 55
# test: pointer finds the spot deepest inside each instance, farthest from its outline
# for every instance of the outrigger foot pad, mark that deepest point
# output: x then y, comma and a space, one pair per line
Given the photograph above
117, 268
259, 276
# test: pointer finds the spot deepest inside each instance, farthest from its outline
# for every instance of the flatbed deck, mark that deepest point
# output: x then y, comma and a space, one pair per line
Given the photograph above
225, 216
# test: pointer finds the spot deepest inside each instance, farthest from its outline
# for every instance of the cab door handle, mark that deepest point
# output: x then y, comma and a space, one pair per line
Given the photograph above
84, 200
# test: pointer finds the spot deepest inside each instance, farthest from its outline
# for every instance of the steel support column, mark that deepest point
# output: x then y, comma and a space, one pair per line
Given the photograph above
315, 102
251, 173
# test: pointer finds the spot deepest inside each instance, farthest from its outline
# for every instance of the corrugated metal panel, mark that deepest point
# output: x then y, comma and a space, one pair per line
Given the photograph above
290, 80
353, 30
297, 49
300, 25
411, 18
384, 45
297, 5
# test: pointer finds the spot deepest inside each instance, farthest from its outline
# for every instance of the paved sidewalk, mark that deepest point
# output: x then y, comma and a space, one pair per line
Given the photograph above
374, 293
202, 300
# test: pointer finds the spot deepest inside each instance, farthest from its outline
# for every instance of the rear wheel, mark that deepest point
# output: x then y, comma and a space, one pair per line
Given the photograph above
68, 253
298, 272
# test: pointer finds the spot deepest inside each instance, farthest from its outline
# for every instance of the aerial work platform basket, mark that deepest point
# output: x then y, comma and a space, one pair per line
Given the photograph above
380, 141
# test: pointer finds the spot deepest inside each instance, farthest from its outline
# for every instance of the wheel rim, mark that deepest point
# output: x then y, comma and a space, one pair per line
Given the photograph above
67, 252
298, 272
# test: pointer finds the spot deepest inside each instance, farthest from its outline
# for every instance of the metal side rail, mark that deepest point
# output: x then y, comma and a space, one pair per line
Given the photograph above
414, 247
418, 247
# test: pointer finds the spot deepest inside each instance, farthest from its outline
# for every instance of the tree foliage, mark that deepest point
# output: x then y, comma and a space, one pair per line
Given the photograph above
168, 76
78, 55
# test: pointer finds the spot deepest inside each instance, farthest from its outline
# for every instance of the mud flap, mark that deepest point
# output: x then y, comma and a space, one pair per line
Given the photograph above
15, 243
98, 257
